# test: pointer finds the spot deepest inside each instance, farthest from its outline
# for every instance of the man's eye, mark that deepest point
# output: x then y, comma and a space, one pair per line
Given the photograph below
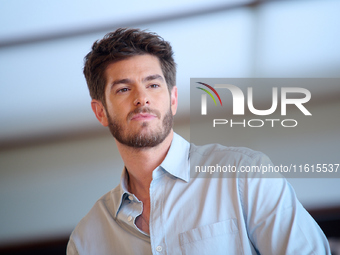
154, 86
122, 90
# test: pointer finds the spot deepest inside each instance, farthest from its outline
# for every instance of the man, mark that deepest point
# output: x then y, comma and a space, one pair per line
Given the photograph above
157, 208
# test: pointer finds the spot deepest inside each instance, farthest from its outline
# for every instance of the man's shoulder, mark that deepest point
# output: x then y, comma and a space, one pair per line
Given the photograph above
99, 231
216, 160
102, 211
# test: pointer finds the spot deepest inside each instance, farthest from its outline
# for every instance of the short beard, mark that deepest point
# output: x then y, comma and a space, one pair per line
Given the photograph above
140, 140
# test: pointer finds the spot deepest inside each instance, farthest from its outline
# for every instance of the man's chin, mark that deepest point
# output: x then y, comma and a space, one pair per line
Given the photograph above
144, 134
142, 139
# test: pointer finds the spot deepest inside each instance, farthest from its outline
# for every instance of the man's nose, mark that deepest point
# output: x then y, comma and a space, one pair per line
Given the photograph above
141, 98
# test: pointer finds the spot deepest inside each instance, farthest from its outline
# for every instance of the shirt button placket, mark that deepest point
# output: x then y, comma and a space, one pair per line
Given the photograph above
130, 218
156, 225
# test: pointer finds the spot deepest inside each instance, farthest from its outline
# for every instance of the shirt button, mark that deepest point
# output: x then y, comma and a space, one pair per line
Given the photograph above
159, 248
130, 198
129, 218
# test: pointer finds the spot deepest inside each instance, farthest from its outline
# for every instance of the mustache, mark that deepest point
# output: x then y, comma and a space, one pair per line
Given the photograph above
144, 109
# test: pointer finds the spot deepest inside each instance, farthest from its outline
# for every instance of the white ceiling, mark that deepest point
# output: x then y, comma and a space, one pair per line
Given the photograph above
21, 18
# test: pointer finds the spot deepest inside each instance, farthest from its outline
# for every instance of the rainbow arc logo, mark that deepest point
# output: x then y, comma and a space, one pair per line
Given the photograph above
204, 97
213, 90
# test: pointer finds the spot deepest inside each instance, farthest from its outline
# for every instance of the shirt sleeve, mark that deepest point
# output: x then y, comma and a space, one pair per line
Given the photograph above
71, 248
277, 222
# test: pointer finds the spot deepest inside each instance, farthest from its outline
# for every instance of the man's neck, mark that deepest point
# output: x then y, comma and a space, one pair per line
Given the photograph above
141, 162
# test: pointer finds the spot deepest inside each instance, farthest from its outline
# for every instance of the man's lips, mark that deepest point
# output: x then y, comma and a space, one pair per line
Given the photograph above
143, 116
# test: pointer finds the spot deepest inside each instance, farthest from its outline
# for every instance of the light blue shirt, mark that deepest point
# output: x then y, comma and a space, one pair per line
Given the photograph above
201, 215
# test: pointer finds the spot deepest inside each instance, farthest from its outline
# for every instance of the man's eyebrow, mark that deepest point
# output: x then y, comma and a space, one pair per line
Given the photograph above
129, 81
153, 77
121, 81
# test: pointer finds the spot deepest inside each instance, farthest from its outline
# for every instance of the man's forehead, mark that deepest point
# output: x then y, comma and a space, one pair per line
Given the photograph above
142, 67
145, 60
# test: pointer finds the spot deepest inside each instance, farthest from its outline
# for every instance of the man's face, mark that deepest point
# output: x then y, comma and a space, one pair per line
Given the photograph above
139, 110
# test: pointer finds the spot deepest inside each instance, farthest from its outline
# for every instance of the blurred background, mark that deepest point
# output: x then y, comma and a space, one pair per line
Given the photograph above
56, 160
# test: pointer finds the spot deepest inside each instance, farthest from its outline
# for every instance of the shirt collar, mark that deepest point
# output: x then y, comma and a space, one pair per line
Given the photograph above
175, 163
120, 193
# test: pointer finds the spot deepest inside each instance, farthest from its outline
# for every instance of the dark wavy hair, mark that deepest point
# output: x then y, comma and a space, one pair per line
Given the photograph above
122, 44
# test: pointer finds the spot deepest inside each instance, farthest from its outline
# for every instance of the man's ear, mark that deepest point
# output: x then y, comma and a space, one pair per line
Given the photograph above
100, 112
173, 100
